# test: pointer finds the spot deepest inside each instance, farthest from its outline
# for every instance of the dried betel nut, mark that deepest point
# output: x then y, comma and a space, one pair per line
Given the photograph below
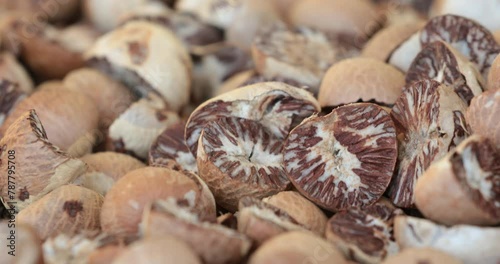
170, 145
430, 121
483, 113
148, 58
493, 80
23, 244
297, 247
467, 182
237, 157
302, 210
277, 106
261, 221
135, 130
125, 201
421, 255
469, 244
10, 96
37, 166
344, 159
307, 57
12, 70
104, 169
440, 62
67, 209
361, 80
213, 243
365, 235
70, 118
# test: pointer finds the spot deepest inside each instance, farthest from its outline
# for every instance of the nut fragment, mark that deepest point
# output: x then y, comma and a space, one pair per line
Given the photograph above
67, 209
360, 79
483, 113
344, 159
297, 247
124, 203
237, 157
440, 62
277, 106
365, 235
421, 255
40, 167
213, 243
466, 183
430, 121
469, 244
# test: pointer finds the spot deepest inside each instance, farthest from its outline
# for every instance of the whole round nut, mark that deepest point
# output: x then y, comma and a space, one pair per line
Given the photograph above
421, 255
67, 209
482, 113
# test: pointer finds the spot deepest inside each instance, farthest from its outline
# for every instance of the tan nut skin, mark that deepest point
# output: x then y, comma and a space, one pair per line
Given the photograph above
421, 255
494, 74
297, 247
301, 209
124, 203
67, 209
27, 244
363, 79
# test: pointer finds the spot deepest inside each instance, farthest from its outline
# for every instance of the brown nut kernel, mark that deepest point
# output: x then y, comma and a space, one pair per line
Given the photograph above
124, 203
297, 247
344, 159
40, 167
430, 121
302, 210
67, 209
213, 243
482, 115
360, 80
421, 255
467, 182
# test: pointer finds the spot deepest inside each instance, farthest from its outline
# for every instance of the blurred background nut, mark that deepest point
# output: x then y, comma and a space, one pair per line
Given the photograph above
10, 96
220, 13
105, 15
45, 10
27, 246
12, 71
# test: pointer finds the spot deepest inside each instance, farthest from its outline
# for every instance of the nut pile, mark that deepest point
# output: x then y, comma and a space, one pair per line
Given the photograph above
249, 131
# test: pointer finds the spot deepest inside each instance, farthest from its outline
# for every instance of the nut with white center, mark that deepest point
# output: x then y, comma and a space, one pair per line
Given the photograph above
467, 182
344, 159
148, 58
365, 235
277, 106
469, 244
430, 121
482, 116
440, 62
237, 157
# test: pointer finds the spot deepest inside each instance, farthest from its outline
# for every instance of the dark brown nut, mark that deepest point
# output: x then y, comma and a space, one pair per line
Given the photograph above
105, 15
365, 235
467, 182
104, 169
421, 255
220, 13
237, 157
304, 211
297, 247
11, 70
135, 130
148, 58
483, 12
345, 159
67, 209
469, 244
69, 117
482, 115
110, 96
39, 166
277, 106
45, 10
10, 96
213, 243
430, 121
307, 57
23, 246
125, 201
261, 221
494, 74
352, 22
382, 44
440, 62
360, 79
170, 145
